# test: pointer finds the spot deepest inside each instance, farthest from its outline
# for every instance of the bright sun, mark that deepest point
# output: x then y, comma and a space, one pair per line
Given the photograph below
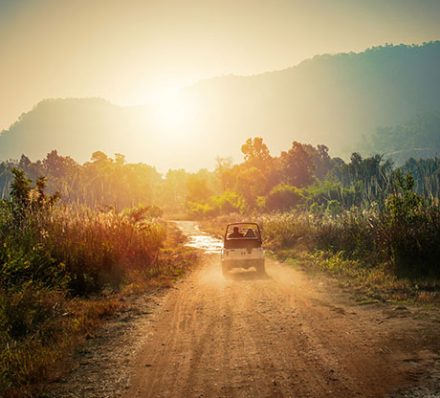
171, 110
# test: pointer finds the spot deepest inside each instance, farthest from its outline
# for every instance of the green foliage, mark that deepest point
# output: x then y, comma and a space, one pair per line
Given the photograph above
19, 264
105, 182
23, 230
426, 173
286, 230
334, 208
101, 182
226, 203
21, 313
413, 230
283, 197
20, 195
403, 205
404, 234
324, 191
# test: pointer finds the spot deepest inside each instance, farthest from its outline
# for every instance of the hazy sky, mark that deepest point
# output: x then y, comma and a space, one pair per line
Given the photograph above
132, 51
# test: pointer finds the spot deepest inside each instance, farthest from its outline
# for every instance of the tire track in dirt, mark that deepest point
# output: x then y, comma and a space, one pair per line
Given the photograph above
276, 336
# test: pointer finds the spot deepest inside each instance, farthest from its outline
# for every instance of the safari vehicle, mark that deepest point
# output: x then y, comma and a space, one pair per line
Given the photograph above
242, 247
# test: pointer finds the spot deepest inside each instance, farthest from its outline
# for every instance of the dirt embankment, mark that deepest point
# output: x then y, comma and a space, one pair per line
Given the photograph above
281, 335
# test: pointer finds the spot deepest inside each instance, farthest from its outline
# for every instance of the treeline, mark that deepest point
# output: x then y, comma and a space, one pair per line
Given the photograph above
102, 181
304, 176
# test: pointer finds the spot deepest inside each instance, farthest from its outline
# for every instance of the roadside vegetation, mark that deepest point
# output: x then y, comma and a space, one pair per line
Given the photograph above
64, 269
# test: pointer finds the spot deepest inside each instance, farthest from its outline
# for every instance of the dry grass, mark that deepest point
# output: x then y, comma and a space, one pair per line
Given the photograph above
369, 284
42, 325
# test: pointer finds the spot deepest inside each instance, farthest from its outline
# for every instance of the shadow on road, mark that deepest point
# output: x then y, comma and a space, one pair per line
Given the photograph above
246, 275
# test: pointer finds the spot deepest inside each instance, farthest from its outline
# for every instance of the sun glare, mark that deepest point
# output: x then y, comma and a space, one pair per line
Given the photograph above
171, 110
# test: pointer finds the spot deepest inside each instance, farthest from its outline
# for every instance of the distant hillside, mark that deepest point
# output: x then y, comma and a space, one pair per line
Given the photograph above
330, 99
72, 126
417, 138
339, 100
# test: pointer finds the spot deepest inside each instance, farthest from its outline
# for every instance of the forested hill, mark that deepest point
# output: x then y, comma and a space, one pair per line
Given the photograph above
339, 100
72, 126
350, 102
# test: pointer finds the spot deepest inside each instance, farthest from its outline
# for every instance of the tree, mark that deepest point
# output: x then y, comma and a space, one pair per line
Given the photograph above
119, 159
297, 166
99, 156
198, 186
224, 173
20, 195
255, 150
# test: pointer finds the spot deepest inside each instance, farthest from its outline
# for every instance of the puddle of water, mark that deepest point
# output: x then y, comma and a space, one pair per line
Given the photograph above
206, 243
198, 239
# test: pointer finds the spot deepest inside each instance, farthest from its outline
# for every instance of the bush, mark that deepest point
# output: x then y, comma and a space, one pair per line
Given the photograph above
412, 228
226, 203
199, 210
284, 197
326, 191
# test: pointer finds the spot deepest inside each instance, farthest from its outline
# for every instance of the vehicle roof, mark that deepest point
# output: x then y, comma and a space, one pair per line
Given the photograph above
242, 223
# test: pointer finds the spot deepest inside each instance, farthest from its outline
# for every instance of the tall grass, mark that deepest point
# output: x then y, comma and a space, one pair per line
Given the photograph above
406, 238
55, 262
100, 249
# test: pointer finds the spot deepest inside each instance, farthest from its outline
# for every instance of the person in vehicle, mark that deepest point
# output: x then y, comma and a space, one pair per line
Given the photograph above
235, 233
250, 233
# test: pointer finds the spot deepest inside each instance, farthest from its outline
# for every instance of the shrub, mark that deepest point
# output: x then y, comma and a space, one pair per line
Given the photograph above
284, 197
199, 210
228, 202
412, 230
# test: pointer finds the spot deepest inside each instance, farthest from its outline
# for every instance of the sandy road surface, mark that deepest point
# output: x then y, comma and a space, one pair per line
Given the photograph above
281, 335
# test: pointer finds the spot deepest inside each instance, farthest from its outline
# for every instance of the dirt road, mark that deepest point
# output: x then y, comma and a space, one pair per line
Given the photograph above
281, 335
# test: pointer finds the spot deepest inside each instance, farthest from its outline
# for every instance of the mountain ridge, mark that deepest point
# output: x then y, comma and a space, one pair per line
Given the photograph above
333, 99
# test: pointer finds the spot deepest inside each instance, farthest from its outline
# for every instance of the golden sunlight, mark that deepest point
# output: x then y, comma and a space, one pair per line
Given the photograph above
171, 110
228, 198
